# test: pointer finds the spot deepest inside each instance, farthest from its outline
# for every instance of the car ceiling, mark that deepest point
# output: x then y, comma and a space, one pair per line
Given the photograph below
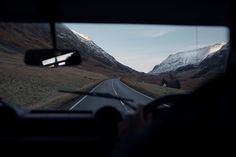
184, 12
175, 12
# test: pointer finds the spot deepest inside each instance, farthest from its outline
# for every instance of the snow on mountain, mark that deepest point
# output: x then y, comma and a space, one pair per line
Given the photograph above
94, 53
98, 51
181, 59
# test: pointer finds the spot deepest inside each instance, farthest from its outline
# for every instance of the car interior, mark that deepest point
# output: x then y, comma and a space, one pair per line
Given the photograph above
201, 122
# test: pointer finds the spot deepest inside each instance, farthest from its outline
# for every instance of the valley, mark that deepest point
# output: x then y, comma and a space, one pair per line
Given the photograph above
37, 88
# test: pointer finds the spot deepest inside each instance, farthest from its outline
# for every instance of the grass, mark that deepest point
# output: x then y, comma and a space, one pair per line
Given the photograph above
37, 88
152, 90
62, 100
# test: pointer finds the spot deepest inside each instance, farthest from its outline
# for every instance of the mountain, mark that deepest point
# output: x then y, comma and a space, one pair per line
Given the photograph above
186, 58
216, 62
16, 38
194, 69
30, 87
98, 54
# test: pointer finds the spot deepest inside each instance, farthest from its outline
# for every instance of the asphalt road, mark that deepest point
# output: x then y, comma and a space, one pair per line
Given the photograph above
116, 88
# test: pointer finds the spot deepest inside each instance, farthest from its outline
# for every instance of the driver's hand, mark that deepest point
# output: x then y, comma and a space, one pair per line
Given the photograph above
134, 122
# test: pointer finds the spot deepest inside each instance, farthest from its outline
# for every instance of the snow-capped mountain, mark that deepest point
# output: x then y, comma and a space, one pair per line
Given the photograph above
94, 58
185, 58
96, 50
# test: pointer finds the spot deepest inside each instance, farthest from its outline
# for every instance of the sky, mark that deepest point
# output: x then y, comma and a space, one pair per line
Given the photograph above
141, 47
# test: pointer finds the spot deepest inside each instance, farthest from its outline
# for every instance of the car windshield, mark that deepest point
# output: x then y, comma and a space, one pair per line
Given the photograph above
137, 62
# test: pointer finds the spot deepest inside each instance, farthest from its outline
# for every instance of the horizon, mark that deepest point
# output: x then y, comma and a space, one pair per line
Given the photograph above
131, 44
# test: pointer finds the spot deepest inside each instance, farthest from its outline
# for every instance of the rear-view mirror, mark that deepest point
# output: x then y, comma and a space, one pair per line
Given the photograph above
52, 58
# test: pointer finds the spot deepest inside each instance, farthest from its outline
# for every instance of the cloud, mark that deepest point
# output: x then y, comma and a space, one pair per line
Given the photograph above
161, 33
155, 33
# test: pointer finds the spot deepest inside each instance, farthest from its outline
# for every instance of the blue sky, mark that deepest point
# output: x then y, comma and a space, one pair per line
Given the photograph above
141, 47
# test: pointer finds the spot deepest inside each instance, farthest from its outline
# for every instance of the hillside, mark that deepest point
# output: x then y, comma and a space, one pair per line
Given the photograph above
194, 67
181, 59
33, 87
17, 38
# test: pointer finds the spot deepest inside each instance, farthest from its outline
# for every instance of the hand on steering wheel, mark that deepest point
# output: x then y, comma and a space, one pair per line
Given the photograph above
143, 117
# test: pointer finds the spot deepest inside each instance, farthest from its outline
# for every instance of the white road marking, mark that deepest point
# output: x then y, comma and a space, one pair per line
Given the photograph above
117, 96
85, 96
112, 84
126, 109
137, 91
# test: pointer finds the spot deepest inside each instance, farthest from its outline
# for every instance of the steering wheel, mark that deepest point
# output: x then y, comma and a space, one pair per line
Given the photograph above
164, 102
107, 118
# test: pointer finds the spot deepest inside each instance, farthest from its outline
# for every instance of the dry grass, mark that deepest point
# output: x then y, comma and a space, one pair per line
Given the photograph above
152, 90
62, 100
36, 88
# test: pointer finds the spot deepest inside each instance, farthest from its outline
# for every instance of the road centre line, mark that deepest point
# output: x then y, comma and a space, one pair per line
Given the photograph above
117, 96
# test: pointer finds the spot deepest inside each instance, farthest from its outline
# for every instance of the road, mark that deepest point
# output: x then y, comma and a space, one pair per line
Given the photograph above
116, 88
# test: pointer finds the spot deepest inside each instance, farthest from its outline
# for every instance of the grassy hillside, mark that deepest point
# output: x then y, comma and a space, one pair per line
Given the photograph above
152, 90
34, 87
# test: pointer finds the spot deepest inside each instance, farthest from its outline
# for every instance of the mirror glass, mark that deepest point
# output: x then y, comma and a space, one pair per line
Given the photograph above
52, 58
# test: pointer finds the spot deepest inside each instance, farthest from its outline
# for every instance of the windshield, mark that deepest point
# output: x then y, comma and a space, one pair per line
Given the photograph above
136, 62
